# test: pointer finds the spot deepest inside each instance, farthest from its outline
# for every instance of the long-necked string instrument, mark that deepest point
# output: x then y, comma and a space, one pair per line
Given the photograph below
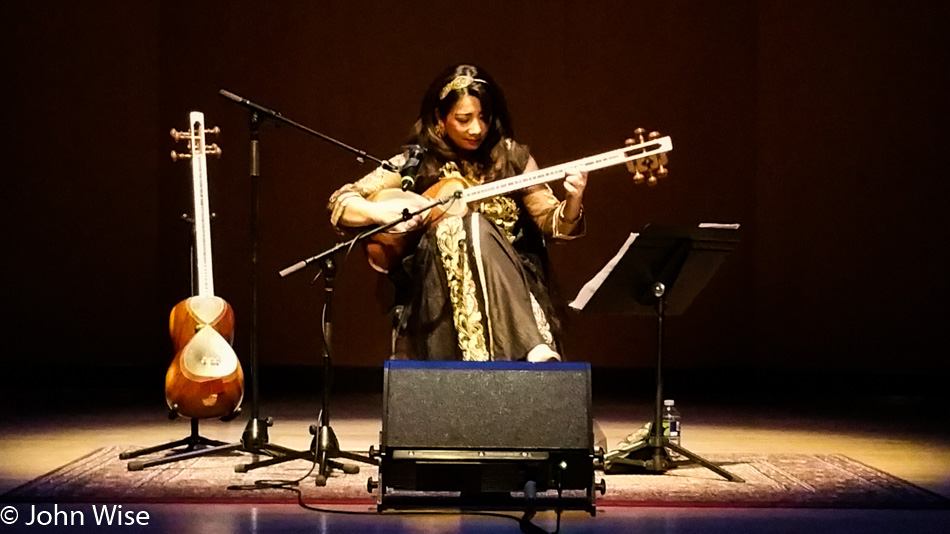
645, 158
205, 378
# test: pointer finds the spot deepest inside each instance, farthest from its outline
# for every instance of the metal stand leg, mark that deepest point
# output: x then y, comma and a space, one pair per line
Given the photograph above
660, 459
324, 447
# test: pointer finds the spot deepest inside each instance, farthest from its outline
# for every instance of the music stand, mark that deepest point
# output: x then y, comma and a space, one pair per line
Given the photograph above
659, 272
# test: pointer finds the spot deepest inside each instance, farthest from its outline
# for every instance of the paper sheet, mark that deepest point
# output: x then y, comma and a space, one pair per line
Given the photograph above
592, 285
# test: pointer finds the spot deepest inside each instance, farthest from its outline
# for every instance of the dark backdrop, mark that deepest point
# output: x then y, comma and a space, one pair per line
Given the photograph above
817, 125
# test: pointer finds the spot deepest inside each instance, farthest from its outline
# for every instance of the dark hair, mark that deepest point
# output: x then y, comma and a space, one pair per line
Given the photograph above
439, 99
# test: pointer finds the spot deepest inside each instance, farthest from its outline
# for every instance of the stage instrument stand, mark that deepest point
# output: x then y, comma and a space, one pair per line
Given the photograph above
658, 272
254, 439
194, 440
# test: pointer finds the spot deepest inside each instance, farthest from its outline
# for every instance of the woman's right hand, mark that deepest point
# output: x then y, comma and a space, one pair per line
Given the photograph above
391, 211
386, 209
395, 205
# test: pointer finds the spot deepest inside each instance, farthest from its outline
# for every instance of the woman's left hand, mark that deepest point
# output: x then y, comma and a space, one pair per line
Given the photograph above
574, 183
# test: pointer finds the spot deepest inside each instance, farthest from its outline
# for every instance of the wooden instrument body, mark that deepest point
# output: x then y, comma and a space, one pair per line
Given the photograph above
205, 378
386, 248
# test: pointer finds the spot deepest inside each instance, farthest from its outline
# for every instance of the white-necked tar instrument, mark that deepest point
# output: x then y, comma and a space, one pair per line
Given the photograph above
204, 379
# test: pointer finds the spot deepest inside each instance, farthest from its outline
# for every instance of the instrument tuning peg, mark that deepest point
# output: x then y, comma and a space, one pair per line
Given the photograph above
633, 166
639, 135
653, 135
212, 131
178, 155
178, 136
661, 162
651, 177
638, 177
213, 150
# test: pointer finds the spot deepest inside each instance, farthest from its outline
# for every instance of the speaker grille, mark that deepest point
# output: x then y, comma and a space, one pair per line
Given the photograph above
487, 405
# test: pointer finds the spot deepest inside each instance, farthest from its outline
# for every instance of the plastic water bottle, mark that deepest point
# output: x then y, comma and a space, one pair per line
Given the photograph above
671, 421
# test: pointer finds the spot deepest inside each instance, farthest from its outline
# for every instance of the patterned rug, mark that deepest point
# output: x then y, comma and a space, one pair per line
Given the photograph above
790, 481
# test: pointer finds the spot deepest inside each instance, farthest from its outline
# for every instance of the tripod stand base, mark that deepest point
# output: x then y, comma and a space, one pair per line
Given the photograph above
193, 441
323, 450
658, 459
254, 441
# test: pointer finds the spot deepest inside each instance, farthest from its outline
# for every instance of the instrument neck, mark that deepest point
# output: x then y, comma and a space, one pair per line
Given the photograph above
558, 172
199, 171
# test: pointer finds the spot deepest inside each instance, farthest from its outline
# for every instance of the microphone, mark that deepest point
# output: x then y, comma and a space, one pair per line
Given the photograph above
231, 96
411, 167
248, 104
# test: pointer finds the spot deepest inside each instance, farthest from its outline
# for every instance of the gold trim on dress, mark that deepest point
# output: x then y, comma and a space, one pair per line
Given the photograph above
541, 320
450, 239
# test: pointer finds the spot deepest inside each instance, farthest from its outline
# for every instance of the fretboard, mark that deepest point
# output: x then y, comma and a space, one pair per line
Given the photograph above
199, 173
558, 172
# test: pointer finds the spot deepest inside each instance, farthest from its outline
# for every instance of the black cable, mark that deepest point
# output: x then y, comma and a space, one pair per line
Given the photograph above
524, 522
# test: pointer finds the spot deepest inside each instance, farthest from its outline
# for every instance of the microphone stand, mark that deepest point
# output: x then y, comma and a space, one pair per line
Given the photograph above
325, 446
361, 156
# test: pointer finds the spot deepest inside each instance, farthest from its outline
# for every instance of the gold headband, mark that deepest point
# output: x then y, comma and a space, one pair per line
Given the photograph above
460, 82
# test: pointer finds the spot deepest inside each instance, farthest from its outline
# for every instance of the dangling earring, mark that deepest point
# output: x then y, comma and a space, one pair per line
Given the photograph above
439, 130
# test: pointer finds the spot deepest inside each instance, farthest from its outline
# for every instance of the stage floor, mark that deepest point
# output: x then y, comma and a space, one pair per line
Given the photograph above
898, 434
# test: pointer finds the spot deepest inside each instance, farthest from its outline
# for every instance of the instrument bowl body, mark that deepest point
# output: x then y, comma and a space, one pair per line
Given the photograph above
194, 313
444, 189
384, 249
205, 378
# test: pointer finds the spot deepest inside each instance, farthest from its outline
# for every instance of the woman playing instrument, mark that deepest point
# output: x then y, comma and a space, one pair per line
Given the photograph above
476, 286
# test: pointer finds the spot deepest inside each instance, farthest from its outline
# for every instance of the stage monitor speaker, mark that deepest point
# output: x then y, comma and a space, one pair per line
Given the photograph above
495, 434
